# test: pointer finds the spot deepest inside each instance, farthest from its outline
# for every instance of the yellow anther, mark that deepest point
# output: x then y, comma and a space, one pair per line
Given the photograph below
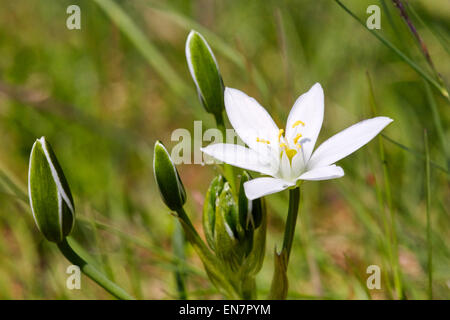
296, 123
298, 136
298, 145
262, 140
280, 134
283, 145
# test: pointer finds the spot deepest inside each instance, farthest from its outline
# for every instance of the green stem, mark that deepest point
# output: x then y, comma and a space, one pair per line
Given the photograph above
289, 231
428, 206
228, 170
280, 283
179, 251
248, 290
92, 272
212, 265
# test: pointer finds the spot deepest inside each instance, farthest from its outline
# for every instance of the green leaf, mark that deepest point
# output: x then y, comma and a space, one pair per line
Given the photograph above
250, 219
226, 235
214, 268
205, 73
255, 259
167, 178
279, 288
151, 53
209, 209
442, 90
50, 197
178, 242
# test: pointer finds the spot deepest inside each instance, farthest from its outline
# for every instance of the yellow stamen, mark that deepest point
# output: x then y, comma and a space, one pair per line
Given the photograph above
280, 134
298, 145
297, 123
283, 145
298, 136
262, 140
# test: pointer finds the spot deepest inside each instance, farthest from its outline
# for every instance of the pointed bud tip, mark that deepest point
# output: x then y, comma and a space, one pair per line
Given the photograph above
205, 73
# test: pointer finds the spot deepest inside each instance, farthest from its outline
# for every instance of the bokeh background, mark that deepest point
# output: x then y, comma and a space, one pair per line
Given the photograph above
104, 94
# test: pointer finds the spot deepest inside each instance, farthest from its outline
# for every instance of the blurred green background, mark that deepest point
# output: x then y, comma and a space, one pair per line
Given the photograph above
102, 95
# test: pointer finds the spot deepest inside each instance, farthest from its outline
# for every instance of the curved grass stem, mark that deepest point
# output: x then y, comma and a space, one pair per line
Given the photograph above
436, 84
93, 272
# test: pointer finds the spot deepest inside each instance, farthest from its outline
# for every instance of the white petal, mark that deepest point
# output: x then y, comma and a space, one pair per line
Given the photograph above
347, 141
249, 119
261, 187
285, 166
298, 163
323, 173
241, 157
309, 109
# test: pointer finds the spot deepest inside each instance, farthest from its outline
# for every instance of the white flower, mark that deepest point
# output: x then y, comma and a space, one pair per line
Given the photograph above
287, 156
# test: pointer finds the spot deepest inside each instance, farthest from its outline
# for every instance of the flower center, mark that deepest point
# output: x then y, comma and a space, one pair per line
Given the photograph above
290, 152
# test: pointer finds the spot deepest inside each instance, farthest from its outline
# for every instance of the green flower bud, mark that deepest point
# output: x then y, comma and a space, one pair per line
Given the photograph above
167, 178
209, 209
205, 73
50, 197
227, 232
236, 233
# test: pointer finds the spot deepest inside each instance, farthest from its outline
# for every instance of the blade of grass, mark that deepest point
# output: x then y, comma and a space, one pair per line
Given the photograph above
390, 19
73, 114
438, 123
355, 270
144, 46
414, 152
215, 41
400, 54
187, 24
162, 254
98, 243
428, 206
133, 270
422, 46
388, 197
444, 42
179, 251
13, 186
22, 198
386, 240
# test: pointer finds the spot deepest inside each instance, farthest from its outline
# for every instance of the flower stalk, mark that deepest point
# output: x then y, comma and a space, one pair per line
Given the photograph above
280, 284
291, 221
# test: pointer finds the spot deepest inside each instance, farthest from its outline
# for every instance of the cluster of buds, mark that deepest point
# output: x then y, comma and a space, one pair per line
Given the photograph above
235, 230
230, 225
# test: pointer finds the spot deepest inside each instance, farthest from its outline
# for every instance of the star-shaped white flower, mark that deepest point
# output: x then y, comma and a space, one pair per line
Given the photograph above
287, 156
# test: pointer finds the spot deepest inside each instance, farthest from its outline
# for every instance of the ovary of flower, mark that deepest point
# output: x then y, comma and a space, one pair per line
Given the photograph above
287, 157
